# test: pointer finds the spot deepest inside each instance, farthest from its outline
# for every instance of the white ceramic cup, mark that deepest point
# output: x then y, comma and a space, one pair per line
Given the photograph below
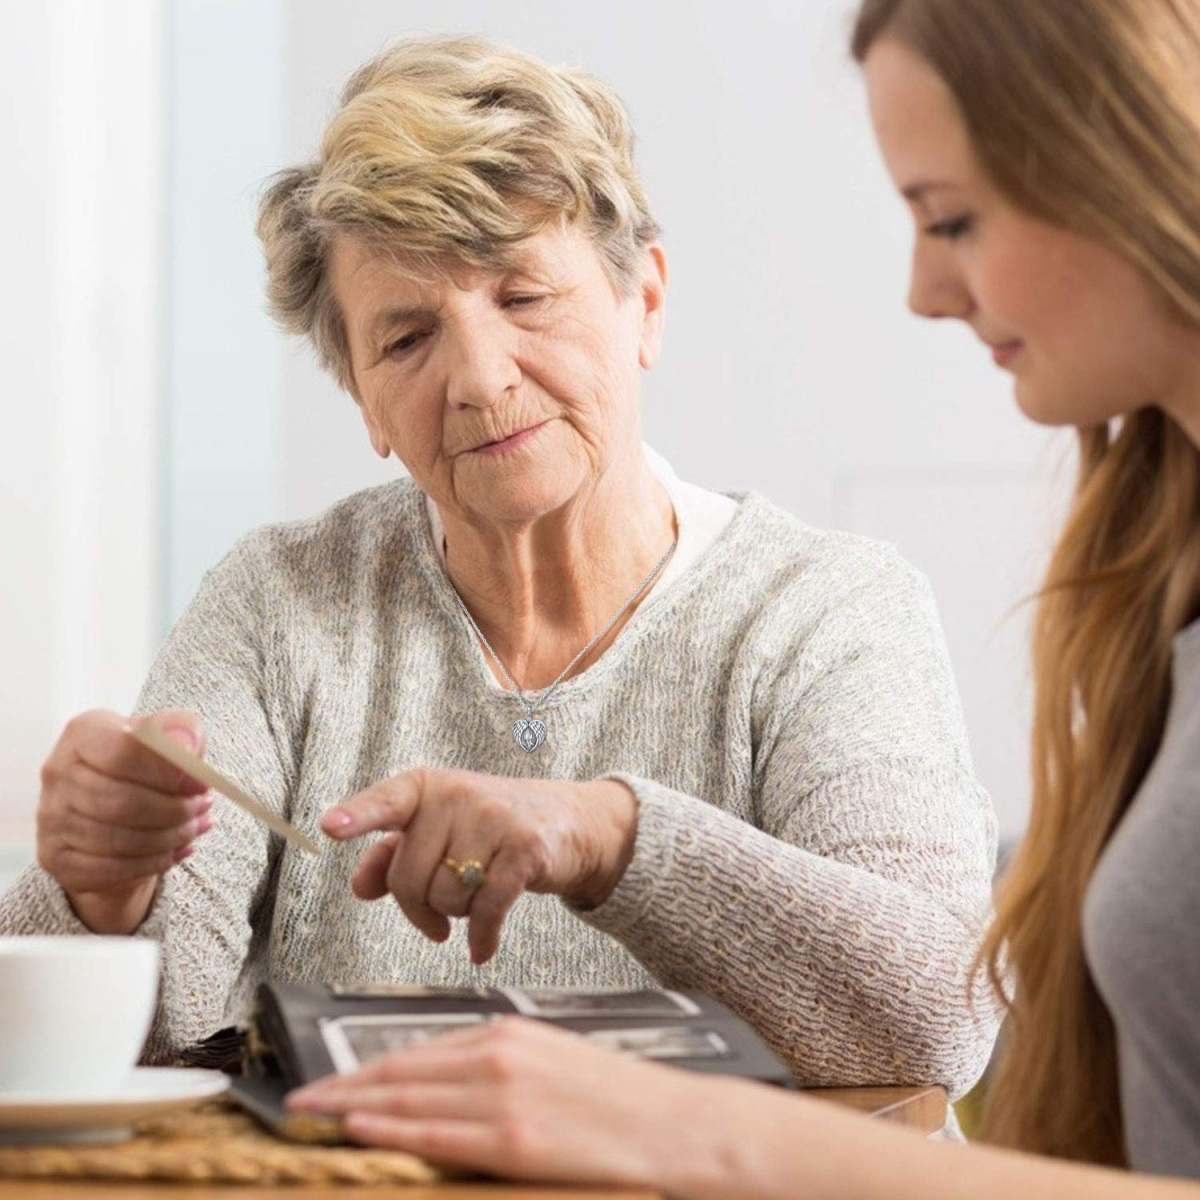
74, 1013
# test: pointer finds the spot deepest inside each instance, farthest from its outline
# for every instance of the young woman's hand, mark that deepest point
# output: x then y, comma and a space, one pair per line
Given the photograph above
522, 1099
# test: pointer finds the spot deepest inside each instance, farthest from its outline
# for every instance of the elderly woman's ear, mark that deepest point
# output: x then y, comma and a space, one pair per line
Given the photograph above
653, 291
379, 441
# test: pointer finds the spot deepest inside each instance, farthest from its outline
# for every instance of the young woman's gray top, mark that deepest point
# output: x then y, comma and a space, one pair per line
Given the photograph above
1142, 938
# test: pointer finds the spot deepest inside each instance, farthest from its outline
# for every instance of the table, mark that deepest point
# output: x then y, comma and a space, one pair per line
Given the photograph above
922, 1109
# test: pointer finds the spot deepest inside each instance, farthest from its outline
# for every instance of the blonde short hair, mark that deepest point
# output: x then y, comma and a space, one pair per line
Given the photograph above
451, 149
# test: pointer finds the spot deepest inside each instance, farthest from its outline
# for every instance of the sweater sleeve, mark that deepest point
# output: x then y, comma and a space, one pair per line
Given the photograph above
843, 921
212, 663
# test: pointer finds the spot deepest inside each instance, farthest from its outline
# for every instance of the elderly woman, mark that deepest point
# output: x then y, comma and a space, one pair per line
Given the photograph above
634, 731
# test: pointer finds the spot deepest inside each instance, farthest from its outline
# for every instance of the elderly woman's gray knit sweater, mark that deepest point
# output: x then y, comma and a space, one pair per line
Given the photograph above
812, 846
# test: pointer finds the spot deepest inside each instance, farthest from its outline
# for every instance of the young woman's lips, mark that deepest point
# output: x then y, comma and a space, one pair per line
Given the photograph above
509, 443
1004, 353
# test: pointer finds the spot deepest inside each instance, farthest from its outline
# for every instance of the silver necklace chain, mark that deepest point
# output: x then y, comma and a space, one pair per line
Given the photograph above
529, 733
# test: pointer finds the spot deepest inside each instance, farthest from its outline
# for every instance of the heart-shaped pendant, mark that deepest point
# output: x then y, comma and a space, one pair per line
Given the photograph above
530, 733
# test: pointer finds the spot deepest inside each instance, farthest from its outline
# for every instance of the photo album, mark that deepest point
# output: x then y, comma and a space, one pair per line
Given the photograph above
300, 1032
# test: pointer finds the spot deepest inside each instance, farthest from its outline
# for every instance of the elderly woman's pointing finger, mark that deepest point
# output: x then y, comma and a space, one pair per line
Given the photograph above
462, 844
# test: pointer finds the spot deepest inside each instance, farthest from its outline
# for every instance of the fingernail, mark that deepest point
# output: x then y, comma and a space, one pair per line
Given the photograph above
182, 736
203, 804
184, 852
337, 819
204, 824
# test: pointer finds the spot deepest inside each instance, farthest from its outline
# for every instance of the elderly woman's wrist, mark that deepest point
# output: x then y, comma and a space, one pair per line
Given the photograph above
116, 914
614, 807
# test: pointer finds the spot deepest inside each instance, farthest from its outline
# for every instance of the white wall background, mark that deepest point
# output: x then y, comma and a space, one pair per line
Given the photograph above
81, 207
791, 365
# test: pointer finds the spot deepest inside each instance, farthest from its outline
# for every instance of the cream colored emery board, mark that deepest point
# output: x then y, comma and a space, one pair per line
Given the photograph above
197, 768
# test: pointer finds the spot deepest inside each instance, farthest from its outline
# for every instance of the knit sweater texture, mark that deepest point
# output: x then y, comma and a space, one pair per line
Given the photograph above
812, 846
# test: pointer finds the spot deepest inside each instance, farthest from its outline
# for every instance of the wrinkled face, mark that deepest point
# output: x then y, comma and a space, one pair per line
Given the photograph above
1083, 333
442, 367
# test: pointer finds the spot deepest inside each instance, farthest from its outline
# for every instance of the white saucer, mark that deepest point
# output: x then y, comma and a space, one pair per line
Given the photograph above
25, 1120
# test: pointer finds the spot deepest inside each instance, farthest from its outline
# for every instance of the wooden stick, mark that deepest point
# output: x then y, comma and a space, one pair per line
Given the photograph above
166, 747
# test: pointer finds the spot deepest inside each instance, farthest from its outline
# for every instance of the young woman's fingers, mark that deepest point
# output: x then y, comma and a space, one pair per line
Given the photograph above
454, 1143
449, 1057
469, 1099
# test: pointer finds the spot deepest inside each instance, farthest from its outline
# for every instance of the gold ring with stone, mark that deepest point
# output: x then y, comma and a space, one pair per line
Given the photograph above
470, 873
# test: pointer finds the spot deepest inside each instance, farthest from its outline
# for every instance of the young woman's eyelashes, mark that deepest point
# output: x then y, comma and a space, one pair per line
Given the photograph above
951, 229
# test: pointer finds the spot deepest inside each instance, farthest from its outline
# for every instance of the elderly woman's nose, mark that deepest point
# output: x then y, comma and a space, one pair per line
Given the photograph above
936, 287
482, 364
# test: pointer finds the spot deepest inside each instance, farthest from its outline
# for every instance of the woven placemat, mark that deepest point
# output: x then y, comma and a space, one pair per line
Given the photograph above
214, 1143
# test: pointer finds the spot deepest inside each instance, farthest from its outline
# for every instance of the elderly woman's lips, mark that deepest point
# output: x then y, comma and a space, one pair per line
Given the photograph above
509, 443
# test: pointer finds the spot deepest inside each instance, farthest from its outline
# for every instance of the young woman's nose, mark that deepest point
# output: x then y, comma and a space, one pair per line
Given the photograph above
937, 288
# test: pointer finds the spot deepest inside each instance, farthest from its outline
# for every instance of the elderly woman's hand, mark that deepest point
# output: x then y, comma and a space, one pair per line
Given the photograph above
558, 836
114, 816
522, 1099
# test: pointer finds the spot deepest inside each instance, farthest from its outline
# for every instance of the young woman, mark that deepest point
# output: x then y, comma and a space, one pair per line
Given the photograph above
1050, 154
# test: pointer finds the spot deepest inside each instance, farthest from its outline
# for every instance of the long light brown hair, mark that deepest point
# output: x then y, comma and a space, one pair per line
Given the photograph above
1084, 114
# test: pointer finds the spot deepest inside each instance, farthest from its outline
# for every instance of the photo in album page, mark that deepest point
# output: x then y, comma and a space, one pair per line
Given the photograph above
552, 1003
404, 991
665, 1042
353, 1041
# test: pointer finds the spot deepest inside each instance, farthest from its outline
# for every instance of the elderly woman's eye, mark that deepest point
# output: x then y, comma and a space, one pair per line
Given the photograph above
952, 229
407, 342
521, 301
